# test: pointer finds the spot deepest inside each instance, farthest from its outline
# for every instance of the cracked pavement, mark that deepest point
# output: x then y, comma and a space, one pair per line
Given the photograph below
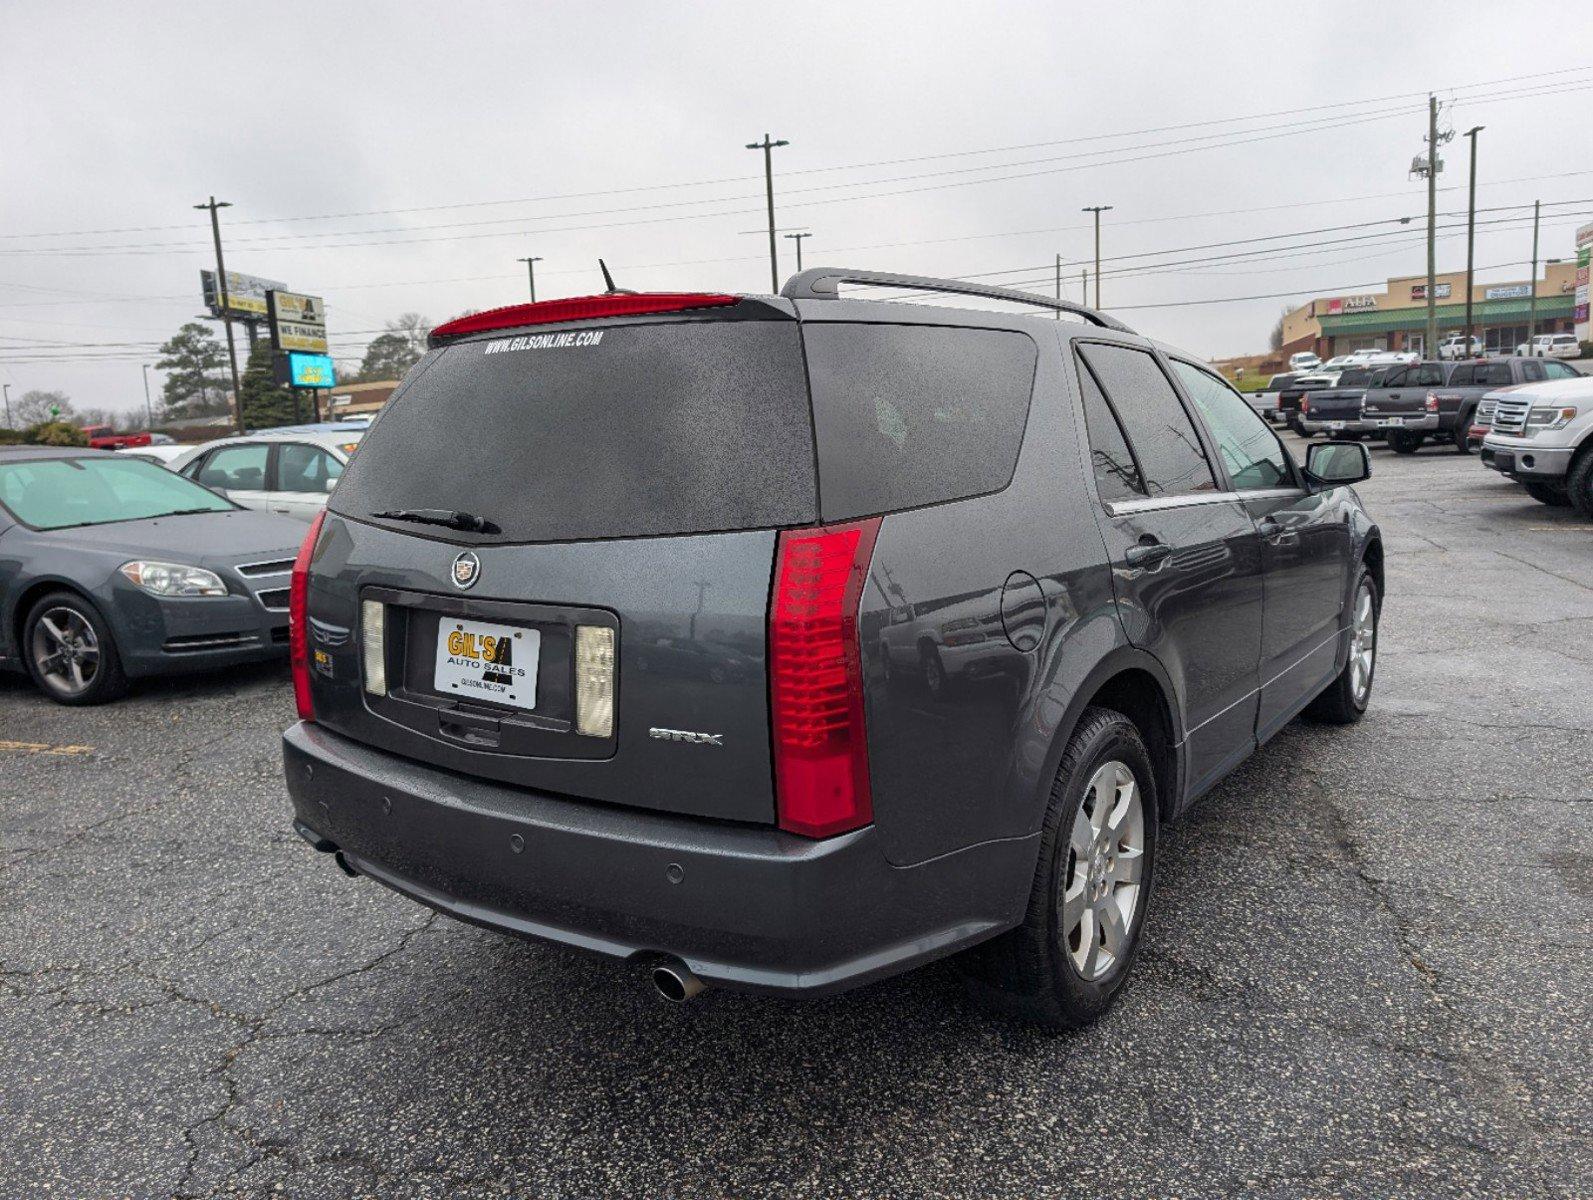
1366, 970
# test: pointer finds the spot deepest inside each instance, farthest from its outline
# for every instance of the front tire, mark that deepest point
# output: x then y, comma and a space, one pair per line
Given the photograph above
1344, 701
1063, 967
1579, 483
70, 652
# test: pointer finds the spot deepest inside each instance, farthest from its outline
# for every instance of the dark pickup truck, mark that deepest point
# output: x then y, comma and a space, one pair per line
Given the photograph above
1441, 408
1291, 394
1336, 410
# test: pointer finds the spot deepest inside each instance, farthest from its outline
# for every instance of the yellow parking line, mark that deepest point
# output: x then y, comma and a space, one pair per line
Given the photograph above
44, 748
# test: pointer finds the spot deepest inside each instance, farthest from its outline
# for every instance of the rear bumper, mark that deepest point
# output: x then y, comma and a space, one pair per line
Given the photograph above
1408, 422
1335, 425
743, 907
1520, 459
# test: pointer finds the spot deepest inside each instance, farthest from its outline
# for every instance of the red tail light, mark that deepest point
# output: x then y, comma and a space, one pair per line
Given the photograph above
298, 620
816, 679
578, 308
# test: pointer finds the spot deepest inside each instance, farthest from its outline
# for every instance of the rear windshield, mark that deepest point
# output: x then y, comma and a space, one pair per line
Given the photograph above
908, 415
625, 431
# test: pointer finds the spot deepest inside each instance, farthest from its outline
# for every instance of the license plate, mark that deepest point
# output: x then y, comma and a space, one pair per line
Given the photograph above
1392, 421
1335, 426
488, 662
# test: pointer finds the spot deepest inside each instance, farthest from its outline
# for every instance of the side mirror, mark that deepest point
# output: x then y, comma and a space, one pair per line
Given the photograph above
1334, 464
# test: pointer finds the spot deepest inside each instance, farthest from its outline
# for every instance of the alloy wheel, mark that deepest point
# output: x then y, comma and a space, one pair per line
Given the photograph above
1106, 862
66, 651
1363, 644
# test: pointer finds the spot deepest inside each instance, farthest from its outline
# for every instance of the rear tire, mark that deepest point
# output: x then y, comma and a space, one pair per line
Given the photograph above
1462, 443
70, 652
1544, 493
1406, 443
1063, 967
1344, 701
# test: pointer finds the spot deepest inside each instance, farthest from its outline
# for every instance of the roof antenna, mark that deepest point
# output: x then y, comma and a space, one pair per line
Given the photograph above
613, 288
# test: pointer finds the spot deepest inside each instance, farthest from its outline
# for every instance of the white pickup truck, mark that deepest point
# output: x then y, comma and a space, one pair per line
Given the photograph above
1542, 437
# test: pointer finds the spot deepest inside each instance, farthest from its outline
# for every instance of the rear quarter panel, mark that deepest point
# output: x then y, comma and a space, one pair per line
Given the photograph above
968, 763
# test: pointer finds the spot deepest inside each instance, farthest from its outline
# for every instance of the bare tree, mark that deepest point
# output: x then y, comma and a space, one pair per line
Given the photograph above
34, 408
1275, 338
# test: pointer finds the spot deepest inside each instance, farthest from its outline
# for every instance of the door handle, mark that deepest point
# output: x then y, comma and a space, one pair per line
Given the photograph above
1146, 553
1275, 533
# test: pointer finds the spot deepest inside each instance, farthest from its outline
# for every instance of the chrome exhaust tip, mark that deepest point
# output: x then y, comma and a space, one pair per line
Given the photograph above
676, 983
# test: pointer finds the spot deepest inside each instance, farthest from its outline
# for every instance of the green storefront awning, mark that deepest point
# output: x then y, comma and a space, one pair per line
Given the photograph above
1485, 312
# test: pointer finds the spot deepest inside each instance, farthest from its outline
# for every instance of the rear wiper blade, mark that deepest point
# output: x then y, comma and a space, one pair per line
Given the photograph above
448, 517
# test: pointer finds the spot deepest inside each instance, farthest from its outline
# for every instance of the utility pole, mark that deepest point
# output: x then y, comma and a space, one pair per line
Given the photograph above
1097, 209
214, 206
531, 271
797, 238
1084, 291
1532, 304
149, 411
1430, 337
7, 388
1471, 229
768, 182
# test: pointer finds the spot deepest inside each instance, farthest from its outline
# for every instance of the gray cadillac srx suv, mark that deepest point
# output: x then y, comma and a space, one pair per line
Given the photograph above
789, 642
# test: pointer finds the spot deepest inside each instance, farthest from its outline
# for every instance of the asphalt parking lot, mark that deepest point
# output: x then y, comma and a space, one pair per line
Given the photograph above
1367, 969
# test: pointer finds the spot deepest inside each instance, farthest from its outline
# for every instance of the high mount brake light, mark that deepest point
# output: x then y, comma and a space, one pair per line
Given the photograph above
816, 679
299, 620
578, 308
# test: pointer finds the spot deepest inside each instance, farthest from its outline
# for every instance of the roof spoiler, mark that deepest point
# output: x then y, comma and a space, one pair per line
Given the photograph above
824, 283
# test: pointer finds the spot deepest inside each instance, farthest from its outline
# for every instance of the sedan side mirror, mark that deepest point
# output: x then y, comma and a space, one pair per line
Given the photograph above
1334, 464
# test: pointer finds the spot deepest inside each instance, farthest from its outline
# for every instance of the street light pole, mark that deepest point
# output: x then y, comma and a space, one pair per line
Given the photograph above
768, 182
1471, 228
1097, 209
531, 272
149, 411
1059, 284
1532, 304
214, 206
797, 238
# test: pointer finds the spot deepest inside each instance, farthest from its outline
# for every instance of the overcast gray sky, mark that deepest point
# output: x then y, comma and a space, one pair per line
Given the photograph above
395, 157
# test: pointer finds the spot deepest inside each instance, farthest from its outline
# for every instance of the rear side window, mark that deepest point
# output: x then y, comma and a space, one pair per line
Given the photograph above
1116, 475
240, 467
907, 415
1461, 377
1163, 437
626, 431
1491, 374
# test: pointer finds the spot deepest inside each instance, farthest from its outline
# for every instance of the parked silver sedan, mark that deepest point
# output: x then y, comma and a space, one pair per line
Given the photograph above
289, 471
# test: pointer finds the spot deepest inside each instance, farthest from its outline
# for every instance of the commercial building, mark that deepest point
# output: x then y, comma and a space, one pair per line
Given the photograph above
1396, 318
359, 399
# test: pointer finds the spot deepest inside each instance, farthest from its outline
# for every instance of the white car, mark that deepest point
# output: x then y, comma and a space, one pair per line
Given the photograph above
1304, 361
1391, 358
1551, 345
1337, 363
1454, 346
161, 453
290, 471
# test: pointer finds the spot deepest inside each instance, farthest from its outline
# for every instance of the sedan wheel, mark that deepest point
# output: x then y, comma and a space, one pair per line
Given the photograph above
70, 654
1363, 643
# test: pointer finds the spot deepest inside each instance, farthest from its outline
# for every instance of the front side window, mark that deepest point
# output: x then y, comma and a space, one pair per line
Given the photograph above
1461, 377
62, 493
237, 468
1251, 454
1558, 370
1171, 459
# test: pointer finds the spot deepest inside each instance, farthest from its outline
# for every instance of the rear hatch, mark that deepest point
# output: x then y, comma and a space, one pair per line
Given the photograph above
629, 476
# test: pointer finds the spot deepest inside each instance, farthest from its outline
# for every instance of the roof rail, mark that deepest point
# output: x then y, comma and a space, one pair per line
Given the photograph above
824, 283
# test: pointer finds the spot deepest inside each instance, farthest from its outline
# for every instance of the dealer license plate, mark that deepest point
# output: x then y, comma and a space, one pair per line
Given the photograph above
488, 662
1386, 421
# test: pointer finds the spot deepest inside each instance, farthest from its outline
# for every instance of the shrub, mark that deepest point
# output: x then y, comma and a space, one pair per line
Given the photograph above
10, 437
54, 433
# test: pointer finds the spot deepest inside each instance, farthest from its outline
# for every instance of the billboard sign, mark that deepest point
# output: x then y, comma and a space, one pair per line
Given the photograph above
1509, 291
310, 371
1418, 291
1352, 304
246, 294
297, 322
